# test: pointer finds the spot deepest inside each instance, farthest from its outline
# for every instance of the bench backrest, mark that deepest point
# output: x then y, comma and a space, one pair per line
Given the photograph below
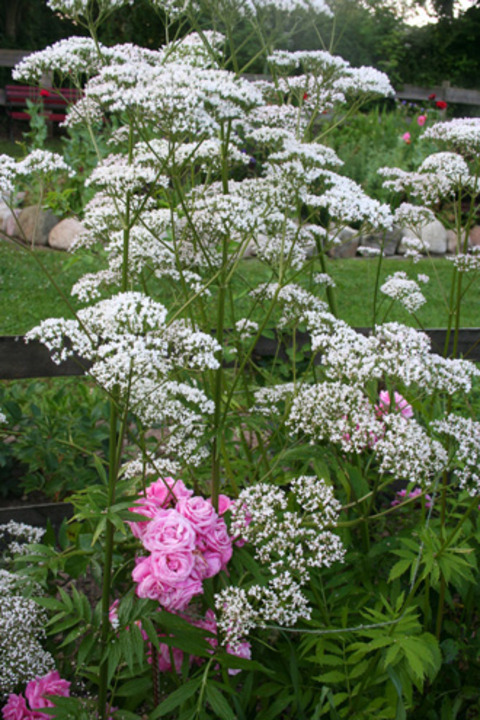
17, 95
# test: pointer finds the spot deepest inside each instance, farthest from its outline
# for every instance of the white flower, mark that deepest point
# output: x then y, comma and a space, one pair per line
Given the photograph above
399, 287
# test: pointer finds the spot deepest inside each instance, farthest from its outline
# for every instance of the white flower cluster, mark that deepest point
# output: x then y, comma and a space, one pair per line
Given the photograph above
465, 461
134, 351
439, 177
3, 417
396, 352
465, 263
407, 292
22, 628
293, 300
412, 216
251, 7
15, 537
462, 134
347, 203
406, 452
337, 413
246, 328
74, 57
39, 163
289, 544
74, 8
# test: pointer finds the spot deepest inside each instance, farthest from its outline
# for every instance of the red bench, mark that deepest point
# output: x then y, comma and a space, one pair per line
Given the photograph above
54, 102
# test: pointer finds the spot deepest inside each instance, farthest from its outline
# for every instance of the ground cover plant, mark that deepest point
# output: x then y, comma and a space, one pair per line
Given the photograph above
294, 537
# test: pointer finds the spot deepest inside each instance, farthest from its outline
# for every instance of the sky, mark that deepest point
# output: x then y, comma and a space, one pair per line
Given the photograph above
421, 17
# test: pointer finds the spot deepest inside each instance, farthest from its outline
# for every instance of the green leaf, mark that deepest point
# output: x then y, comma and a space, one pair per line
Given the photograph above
334, 676
176, 698
399, 568
219, 705
401, 713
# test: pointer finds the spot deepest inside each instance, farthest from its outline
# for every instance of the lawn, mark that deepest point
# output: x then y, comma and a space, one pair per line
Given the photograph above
29, 296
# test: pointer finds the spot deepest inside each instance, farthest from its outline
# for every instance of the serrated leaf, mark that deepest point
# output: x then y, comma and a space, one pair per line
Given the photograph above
399, 568
334, 676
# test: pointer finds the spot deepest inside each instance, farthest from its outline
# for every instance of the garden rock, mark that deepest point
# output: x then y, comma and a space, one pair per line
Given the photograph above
345, 243
390, 243
63, 234
434, 235
36, 224
452, 242
10, 226
474, 236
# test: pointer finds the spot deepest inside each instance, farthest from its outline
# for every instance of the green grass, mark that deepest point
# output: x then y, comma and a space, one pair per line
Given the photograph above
28, 296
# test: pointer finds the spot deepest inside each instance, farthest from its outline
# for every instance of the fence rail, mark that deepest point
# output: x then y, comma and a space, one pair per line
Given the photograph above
20, 360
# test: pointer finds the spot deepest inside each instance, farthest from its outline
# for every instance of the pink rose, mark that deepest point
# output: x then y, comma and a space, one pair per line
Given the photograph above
199, 512
38, 690
16, 708
171, 597
407, 138
172, 568
224, 503
399, 405
142, 507
242, 650
421, 120
169, 531
219, 541
166, 491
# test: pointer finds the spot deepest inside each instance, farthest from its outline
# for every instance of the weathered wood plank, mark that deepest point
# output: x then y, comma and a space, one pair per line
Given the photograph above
9, 58
20, 360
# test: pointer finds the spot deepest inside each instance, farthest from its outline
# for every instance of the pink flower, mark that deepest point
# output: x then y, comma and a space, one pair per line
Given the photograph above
407, 138
172, 597
165, 491
242, 650
171, 568
400, 405
219, 541
199, 512
224, 503
16, 708
416, 492
421, 120
38, 690
169, 531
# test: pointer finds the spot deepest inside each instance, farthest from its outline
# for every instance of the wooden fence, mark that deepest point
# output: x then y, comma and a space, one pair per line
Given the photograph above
20, 360
9, 58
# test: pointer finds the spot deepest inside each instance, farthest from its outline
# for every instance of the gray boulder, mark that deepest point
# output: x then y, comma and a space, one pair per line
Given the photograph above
389, 239
63, 234
36, 225
344, 244
434, 235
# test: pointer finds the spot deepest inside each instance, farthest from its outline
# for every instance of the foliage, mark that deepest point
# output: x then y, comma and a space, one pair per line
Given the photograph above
293, 536
57, 428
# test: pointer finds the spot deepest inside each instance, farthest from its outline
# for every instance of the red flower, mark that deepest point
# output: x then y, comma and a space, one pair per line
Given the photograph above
305, 96
432, 96
441, 104
44, 93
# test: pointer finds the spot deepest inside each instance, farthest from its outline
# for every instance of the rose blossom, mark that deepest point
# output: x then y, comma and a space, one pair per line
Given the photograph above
50, 684
16, 708
169, 531
421, 120
199, 512
406, 137
400, 405
171, 568
167, 490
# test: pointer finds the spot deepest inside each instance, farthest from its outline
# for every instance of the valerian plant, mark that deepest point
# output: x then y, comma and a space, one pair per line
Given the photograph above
291, 537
